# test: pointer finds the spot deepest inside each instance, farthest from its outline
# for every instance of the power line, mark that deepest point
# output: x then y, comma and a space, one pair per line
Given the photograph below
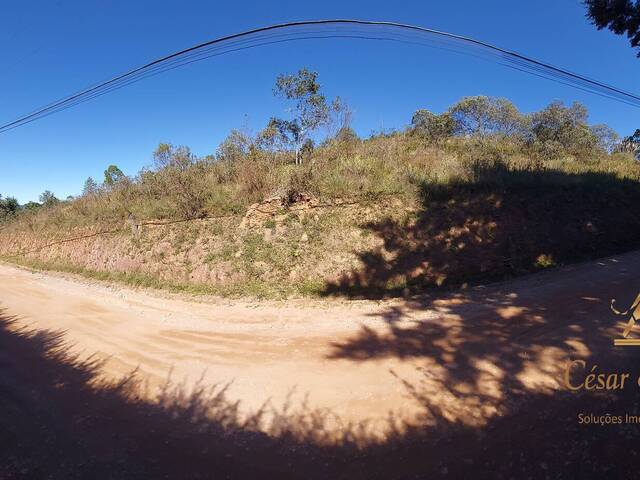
343, 28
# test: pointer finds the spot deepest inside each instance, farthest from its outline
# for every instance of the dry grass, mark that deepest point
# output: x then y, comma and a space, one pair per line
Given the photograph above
453, 212
396, 164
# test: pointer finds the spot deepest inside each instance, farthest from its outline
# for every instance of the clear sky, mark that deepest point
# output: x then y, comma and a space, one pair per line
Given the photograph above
52, 48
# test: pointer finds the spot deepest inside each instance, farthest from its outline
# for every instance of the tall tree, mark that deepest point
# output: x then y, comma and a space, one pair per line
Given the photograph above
310, 111
620, 16
90, 187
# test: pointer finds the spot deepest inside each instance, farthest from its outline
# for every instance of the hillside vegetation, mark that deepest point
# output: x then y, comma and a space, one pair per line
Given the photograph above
480, 192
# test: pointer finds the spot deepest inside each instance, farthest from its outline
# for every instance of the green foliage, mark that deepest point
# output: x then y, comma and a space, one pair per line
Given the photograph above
483, 116
606, 138
113, 176
479, 162
90, 187
280, 134
31, 206
181, 177
166, 156
433, 127
9, 207
235, 147
619, 16
630, 144
474, 133
559, 128
311, 111
48, 199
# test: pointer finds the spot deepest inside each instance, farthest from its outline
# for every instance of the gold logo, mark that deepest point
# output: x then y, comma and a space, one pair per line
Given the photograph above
634, 314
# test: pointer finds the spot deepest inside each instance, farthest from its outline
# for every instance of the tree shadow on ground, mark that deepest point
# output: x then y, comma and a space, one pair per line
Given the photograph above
504, 224
481, 348
60, 421
493, 356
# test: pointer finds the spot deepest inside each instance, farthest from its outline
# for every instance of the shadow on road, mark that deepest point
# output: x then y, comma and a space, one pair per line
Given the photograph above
489, 411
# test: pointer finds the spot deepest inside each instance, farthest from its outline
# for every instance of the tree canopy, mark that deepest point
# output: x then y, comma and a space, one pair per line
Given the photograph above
90, 187
48, 199
554, 131
483, 115
113, 175
620, 16
432, 126
310, 111
9, 206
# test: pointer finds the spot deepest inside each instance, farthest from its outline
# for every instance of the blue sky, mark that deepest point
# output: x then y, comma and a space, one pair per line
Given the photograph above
53, 48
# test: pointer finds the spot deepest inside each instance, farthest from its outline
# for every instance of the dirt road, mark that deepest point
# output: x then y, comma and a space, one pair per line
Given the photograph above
460, 356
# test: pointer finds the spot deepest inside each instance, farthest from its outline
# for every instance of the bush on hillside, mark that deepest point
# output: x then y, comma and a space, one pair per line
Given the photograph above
437, 149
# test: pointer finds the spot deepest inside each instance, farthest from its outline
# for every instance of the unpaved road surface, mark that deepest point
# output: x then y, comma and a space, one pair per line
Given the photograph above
459, 356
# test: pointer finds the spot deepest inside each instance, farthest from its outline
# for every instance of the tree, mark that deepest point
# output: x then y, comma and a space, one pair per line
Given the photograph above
278, 135
431, 126
631, 144
90, 187
113, 175
48, 199
167, 156
181, 177
9, 206
619, 16
606, 138
310, 112
565, 127
235, 147
484, 116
